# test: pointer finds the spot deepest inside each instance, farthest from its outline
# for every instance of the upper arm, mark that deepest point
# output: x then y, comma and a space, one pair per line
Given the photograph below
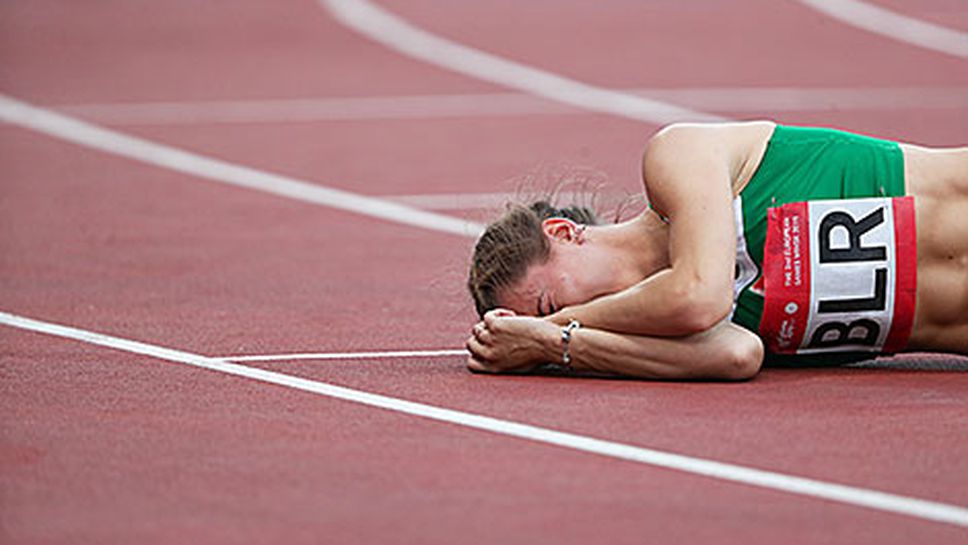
688, 171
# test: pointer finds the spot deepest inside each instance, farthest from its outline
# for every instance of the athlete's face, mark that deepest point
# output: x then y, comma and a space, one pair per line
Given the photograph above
575, 272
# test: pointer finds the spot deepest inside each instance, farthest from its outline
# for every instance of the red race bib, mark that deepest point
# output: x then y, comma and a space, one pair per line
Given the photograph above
839, 275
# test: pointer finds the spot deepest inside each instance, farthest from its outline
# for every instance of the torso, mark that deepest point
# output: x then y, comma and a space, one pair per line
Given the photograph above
938, 181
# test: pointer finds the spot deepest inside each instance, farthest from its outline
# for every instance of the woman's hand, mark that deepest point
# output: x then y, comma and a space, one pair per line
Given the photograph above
505, 342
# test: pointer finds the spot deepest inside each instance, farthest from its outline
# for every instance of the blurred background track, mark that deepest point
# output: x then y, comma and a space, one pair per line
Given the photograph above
102, 446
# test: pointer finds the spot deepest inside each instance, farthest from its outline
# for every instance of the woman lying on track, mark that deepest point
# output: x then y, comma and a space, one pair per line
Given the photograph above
822, 245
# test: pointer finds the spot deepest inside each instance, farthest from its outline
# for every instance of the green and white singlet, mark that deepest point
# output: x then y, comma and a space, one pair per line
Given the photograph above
813, 164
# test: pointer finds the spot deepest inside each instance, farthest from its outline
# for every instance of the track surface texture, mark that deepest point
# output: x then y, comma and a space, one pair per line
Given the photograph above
99, 445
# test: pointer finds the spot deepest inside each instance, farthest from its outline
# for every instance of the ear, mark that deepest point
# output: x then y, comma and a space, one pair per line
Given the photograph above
560, 229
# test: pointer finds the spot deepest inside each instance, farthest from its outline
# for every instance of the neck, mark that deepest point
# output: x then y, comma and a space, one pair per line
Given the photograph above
639, 247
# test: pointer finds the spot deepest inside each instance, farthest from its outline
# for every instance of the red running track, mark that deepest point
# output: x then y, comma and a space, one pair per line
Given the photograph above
102, 446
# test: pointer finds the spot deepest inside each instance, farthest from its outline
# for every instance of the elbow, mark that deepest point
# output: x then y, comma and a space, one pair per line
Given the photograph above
700, 316
699, 308
743, 359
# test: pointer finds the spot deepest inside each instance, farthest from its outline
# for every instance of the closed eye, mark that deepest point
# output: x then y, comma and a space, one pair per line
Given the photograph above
541, 312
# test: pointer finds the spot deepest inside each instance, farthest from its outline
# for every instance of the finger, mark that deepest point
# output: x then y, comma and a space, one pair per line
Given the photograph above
478, 350
471, 345
477, 366
498, 313
482, 335
491, 320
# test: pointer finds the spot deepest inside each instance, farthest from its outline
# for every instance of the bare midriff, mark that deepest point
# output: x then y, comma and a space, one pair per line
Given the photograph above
938, 180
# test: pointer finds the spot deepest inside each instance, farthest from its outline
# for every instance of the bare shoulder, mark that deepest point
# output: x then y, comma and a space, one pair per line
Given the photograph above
682, 148
676, 138
725, 129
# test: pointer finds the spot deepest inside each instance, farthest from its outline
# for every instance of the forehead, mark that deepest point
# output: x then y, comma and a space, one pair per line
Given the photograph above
522, 297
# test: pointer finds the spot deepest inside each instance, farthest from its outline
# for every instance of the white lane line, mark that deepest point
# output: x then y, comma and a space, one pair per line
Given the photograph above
771, 99
720, 99
318, 109
348, 355
894, 25
873, 499
91, 136
382, 26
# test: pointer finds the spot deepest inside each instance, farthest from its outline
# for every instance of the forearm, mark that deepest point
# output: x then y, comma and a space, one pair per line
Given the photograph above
664, 305
724, 352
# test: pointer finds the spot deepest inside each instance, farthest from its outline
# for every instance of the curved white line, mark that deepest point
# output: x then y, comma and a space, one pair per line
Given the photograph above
91, 136
310, 109
392, 354
382, 26
894, 25
852, 495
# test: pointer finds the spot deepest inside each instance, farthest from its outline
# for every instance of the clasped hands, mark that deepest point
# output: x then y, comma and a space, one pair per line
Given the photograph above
506, 343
